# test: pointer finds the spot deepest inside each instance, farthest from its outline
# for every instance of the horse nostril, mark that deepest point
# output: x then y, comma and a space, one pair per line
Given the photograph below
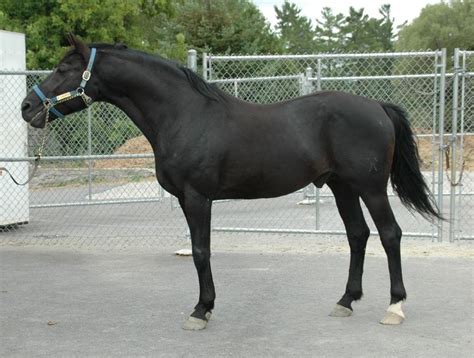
25, 105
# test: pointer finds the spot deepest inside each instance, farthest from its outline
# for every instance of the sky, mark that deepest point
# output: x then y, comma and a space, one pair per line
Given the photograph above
402, 10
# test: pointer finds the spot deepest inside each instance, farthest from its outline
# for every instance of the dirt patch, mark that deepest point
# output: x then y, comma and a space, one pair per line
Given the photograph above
137, 145
47, 177
425, 148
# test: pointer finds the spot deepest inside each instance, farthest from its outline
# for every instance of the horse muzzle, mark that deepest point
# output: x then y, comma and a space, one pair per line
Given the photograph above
36, 119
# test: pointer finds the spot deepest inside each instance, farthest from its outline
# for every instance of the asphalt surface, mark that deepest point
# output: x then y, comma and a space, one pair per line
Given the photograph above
59, 302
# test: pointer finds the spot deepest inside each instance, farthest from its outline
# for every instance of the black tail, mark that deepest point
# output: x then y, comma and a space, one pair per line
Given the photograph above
406, 177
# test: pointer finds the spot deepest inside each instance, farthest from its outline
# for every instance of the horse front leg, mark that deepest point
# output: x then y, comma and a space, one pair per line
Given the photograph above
197, 210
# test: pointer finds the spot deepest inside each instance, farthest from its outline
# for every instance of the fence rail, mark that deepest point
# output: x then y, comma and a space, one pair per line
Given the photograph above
98, 180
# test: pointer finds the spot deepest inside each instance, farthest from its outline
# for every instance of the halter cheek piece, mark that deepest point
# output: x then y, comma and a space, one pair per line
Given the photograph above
49, 103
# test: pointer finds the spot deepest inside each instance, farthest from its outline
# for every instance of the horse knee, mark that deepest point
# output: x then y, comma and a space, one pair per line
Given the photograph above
391, 237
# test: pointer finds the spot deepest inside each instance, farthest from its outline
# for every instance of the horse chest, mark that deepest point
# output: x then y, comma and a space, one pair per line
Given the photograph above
175, 174
169, 177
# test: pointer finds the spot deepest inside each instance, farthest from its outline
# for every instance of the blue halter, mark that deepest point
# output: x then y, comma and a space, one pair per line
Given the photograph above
49, 103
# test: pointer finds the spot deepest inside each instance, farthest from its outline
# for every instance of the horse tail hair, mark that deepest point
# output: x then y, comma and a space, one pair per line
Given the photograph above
407, 180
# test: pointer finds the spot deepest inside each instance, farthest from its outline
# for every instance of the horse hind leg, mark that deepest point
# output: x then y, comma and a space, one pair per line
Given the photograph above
390, 235
348, 205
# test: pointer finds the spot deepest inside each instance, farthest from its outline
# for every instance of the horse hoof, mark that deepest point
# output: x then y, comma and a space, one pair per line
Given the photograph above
341, 311
196, 324
394, 314
392, 319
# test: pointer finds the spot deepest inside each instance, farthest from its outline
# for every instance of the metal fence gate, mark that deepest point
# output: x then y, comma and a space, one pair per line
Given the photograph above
417, 81
97, 180
460, 149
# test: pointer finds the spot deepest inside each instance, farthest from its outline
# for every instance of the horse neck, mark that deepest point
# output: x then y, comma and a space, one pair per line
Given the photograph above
149, 95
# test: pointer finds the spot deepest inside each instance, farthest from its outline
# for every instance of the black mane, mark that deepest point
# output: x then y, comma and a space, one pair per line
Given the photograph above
206, 89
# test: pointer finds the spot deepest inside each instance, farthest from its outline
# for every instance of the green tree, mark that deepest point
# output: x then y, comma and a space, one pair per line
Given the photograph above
225, 26
361, 33
296, 31
328, 35
440, 25
385, 29
46, 22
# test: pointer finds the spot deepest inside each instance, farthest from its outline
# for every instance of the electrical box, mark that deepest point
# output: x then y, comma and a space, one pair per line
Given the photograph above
14, 199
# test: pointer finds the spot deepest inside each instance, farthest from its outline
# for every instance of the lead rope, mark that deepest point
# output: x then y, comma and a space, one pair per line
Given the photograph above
458, 182
47, 105
38, 155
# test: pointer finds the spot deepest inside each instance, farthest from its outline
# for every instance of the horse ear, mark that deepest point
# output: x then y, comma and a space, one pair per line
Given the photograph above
80, 46
70, 39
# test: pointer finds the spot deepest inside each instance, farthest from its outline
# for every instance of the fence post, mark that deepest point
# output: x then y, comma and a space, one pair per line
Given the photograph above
434, 126
236, 89
308, 89
307, 83
89, 151
441, 147
204, 66
192, 60
452, 145
303, 92
462, 109
318, 76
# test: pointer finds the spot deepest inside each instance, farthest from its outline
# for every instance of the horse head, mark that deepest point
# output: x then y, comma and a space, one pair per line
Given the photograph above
64, 91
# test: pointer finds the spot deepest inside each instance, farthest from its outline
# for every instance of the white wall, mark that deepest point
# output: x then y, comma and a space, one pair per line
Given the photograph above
14, 201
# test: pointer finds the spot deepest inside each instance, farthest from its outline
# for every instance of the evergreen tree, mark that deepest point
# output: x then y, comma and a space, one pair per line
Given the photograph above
296, 31
226, 26
328, 35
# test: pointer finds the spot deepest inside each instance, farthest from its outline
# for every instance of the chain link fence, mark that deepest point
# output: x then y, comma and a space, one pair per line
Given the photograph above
417, 81
97, 177
461, 148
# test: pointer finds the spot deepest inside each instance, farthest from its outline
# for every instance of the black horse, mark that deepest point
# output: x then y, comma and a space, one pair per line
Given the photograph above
209, 145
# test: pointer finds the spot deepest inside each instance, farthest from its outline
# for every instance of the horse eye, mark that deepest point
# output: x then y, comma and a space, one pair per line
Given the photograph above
62, 68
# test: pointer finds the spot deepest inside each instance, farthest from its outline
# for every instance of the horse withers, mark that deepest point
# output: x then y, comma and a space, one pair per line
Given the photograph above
209, 145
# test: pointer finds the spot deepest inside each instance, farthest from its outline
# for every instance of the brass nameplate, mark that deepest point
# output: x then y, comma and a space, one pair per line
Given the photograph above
63, 96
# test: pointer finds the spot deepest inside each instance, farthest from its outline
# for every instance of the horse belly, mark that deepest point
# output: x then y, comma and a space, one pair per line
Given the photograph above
266, 180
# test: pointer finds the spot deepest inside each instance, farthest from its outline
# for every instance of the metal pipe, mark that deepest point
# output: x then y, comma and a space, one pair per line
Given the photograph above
326, 55
317, 192
381, 77
192, 60
468, 237
454, 130
307, 84
441, 148
236, 89
253, 79
89, 150
462, 134
301, 231
79, 157
95, 202
433, 133
26, 72
204, 66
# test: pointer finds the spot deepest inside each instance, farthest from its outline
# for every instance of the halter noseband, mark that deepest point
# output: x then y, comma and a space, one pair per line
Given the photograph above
49, 103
